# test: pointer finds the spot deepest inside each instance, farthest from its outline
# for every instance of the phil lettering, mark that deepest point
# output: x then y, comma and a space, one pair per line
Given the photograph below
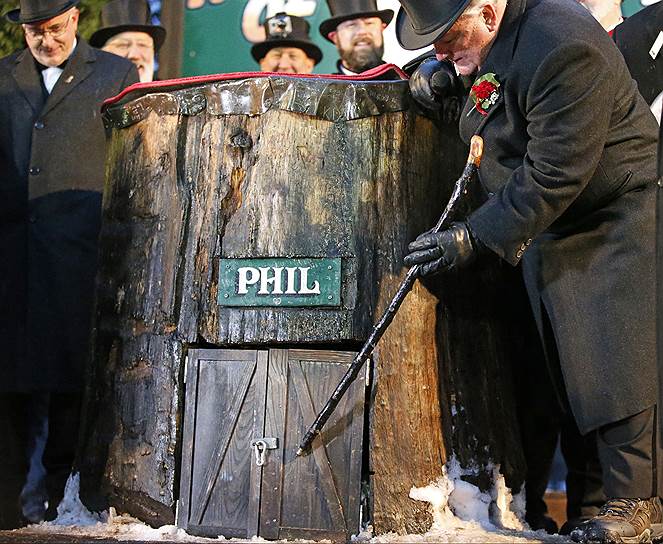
270, 280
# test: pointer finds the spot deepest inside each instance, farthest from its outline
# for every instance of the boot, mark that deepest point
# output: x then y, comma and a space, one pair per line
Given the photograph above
621, 521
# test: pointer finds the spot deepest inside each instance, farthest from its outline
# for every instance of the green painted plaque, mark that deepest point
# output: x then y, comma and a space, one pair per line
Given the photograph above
280, 282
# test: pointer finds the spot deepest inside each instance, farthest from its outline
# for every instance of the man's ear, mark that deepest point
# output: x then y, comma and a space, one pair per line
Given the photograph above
74, 17
333, 36
309, 63
489, 16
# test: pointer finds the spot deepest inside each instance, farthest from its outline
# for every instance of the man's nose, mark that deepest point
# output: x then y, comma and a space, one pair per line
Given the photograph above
134, 52
284, 64
47, 40
441, 52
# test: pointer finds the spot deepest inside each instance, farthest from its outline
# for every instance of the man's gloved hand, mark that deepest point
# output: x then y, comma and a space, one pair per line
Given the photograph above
441, 251
432, 82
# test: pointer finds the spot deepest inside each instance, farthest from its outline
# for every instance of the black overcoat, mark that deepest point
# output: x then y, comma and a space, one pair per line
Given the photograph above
635, 38
51, 176
569, 169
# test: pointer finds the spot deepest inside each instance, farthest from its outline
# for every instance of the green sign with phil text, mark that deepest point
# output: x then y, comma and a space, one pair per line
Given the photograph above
280, 282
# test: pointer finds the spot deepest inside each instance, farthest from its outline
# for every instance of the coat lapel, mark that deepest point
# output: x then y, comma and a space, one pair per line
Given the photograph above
79, 67
28, 79
497, 62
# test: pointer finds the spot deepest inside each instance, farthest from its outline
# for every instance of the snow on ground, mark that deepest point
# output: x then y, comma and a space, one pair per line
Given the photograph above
461, 513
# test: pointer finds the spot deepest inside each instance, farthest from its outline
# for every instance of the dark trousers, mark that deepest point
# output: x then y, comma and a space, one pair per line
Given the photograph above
16, 415
628, 451
630, 454
544, 422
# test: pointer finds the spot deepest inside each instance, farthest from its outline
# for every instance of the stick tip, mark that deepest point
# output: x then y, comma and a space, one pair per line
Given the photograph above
476, 150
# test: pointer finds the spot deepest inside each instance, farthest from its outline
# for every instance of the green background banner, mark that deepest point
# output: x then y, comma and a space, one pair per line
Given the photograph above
218, 34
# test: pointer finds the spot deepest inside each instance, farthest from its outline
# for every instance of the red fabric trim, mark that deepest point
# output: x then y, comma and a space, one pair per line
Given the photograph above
173, 84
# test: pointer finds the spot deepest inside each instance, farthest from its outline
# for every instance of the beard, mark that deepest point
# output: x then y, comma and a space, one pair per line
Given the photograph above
360, 60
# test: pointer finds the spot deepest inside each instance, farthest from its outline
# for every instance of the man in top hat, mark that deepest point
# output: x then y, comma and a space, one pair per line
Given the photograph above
570, 183
52, 153
355, 28
128, 32
287, 47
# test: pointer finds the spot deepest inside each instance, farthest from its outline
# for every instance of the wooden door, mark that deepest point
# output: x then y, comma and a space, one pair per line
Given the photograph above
318, 494
235, 397
220, 483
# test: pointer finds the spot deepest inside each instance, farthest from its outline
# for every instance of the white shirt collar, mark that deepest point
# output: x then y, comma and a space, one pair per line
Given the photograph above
51, 75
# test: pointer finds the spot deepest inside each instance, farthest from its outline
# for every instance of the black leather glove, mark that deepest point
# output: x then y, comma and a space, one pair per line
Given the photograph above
441, 251
432, 82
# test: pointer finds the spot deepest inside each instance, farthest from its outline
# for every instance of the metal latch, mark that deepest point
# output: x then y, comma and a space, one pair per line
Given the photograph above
261, 445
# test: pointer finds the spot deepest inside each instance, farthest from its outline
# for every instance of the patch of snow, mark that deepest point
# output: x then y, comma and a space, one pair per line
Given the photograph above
503, 512
71, 511
461, 513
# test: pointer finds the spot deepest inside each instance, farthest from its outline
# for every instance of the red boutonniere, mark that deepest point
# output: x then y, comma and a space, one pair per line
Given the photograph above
485, 93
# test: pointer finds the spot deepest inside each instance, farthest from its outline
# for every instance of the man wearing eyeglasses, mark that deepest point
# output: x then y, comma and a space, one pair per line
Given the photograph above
52, 152
128, 32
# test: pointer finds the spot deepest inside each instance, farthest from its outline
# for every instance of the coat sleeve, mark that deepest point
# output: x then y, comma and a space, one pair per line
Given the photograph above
567, 110
130, 78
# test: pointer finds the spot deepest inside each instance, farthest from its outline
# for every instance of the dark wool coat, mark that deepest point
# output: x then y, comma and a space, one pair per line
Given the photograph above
51, 178
569, 168
635, 38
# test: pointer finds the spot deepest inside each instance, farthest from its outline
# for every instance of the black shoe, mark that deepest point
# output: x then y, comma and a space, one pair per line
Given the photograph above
621, 521
542, 521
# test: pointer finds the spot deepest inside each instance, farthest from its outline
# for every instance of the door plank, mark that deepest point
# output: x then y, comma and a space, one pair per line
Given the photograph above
188, 434
319, 452
214, 465
259, 408
275, 414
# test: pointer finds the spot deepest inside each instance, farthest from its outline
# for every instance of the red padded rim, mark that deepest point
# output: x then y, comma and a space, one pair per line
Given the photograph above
174, 84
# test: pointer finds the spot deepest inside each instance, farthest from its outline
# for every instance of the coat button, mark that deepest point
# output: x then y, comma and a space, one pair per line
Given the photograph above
32, 218
39, 125
34, 171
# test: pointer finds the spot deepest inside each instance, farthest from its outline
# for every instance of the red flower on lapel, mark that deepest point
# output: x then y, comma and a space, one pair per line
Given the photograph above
484, 93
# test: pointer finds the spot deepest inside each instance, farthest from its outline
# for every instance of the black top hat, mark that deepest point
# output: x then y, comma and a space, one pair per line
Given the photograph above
423, 22
344, 10
127, 16
283, 30
32, 11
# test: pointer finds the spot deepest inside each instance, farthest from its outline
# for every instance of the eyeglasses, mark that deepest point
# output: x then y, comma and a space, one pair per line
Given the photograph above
54, 31
122, 47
